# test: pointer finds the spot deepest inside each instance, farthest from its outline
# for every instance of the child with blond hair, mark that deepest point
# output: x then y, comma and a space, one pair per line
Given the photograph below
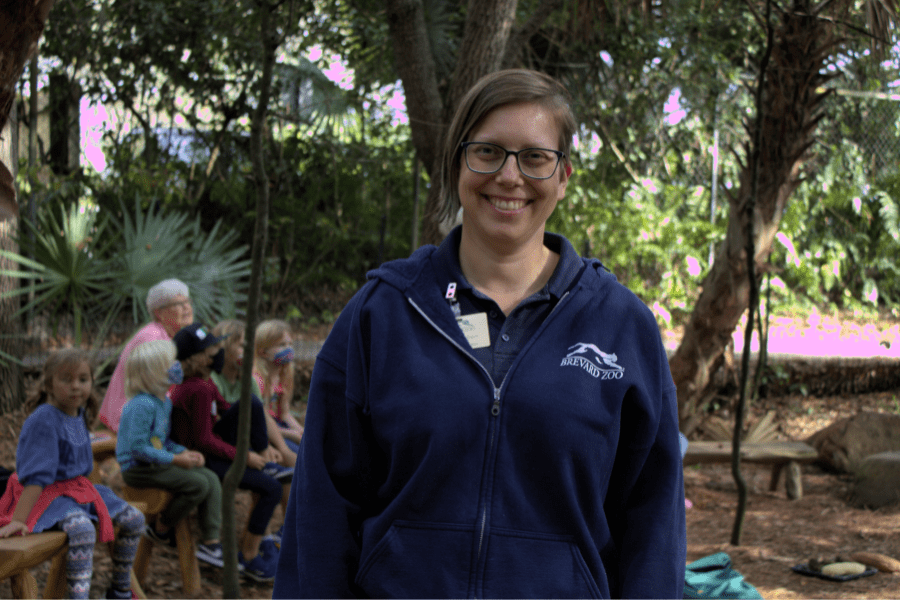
149, 457
273, 370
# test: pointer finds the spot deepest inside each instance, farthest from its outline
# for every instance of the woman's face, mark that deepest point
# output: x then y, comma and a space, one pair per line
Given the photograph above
506, 207
175, 314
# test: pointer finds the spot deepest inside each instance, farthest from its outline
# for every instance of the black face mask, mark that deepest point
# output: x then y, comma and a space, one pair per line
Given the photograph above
218, 360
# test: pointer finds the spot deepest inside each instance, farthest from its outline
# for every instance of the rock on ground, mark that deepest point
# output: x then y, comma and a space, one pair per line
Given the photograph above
845, 443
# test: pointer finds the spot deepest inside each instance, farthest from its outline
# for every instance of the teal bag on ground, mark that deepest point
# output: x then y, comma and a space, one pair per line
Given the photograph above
713, 577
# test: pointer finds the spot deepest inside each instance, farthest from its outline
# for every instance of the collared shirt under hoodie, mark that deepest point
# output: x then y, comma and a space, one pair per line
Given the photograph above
420, 476
508, 334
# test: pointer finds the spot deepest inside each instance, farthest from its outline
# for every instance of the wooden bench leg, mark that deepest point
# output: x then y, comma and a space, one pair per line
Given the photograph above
187, 558
776, 475
136, 587
56, 578
142, 559
793, 482
23, 585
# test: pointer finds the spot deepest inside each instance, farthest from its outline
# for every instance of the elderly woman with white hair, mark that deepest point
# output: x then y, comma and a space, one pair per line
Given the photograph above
169, 304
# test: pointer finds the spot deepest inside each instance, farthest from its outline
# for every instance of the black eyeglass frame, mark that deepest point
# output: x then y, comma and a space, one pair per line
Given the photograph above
559, 156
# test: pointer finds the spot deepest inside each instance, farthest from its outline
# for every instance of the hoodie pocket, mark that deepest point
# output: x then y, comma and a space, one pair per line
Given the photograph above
535, 565
419, 560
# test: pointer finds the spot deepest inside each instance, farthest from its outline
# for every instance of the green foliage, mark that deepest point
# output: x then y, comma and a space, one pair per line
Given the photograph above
161, 245
840, 236
654, 237
85, 266
70, 273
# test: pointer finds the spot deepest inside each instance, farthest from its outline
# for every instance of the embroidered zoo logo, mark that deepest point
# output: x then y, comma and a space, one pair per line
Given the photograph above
593, 360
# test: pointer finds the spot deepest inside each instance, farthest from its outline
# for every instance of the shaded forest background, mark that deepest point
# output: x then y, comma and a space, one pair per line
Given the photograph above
696, 119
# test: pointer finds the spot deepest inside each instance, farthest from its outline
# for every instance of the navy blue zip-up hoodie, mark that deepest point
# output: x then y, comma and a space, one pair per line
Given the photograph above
418, 476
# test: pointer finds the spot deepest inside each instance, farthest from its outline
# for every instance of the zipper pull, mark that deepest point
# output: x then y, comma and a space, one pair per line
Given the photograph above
495, 407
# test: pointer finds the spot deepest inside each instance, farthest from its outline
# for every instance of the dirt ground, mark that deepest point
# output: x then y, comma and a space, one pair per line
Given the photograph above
777, 533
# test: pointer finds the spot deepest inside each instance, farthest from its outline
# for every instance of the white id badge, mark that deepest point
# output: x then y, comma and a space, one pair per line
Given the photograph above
475, 328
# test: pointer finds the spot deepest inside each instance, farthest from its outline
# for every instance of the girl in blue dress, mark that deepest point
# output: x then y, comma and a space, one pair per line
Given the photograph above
50, 489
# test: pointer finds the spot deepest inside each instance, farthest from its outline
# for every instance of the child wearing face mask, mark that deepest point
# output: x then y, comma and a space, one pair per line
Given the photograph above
273, 369
149, 457
229, 384
198, 406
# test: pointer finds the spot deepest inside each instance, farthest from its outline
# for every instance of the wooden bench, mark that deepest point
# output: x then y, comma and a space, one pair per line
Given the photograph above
18, 554
777, 454
151, 502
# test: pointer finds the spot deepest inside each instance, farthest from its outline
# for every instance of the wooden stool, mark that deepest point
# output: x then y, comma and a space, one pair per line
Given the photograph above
155, 500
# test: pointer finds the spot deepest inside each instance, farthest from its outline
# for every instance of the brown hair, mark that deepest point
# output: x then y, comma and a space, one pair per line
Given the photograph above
58, 360
231, 329
501, 88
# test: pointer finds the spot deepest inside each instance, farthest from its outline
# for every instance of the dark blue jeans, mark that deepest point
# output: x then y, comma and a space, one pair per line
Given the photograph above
268, 488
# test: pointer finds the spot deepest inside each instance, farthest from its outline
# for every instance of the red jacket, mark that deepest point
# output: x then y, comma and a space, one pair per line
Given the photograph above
196, 406
80, 489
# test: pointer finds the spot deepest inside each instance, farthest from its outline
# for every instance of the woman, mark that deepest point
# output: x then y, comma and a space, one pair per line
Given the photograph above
169, 303
494, 417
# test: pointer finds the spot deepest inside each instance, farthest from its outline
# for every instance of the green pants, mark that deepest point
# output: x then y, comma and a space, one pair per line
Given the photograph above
191, 488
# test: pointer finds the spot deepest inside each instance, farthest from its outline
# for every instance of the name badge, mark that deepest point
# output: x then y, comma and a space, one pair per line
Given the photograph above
475, 328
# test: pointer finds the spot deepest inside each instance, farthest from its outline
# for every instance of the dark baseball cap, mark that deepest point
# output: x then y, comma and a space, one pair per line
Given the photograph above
193, 339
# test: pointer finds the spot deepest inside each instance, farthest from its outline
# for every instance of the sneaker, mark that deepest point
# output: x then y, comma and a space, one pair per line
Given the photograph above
211, 554
258, 569
279, 472
276, 536
269, 549
116, 594
167, 539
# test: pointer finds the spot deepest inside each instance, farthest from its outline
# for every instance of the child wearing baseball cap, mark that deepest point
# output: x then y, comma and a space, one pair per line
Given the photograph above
197, 406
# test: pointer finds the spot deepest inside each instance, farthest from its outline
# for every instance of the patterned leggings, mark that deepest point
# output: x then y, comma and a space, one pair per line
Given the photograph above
80, 558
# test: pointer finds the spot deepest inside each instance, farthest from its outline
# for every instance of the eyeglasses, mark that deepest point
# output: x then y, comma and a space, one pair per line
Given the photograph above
536, 163
179, 303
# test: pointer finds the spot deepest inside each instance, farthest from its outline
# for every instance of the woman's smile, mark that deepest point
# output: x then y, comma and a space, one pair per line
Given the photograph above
507, 205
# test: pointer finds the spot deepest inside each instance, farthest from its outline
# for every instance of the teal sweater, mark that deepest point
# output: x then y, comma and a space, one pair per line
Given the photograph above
144, 430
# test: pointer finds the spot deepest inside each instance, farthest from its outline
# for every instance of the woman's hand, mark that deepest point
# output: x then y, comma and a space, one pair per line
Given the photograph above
13, 528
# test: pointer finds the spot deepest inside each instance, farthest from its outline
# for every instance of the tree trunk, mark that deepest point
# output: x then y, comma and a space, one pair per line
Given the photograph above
792, 111
416, 66
12, 390
22, 25
487, 31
